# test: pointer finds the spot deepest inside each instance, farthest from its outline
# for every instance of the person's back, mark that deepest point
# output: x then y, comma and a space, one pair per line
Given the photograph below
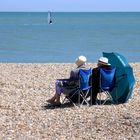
102, 63
74, 75
66, 86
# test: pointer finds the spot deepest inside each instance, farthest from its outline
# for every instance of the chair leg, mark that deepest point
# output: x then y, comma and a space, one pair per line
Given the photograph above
80, 95
84, 98
100, 96
69, 100
109, 97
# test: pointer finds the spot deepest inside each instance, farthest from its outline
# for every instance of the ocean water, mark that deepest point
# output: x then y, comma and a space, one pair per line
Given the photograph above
26, 37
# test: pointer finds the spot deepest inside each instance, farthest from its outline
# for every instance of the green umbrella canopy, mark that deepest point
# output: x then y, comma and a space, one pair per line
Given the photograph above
124, 77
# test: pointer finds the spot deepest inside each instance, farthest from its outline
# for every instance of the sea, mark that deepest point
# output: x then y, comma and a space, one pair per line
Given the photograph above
26, 37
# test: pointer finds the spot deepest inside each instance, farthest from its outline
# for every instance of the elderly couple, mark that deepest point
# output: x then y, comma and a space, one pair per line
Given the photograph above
81, 64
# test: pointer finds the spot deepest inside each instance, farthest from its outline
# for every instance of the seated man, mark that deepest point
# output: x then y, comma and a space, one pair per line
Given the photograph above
102, 63
61, 85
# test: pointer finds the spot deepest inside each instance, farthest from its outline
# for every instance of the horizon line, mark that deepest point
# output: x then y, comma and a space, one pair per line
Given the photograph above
74, 11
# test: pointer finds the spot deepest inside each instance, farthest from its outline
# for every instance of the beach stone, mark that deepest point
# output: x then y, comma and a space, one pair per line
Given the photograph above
24, 89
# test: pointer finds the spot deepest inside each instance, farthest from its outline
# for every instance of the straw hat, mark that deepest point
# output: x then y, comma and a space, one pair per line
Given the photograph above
103, 61
81, 60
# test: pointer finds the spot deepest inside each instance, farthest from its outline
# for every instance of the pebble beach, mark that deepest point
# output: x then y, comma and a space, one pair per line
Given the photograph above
24, 89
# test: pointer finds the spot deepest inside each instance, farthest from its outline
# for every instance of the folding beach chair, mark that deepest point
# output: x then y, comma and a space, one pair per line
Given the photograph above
106, 84
84, 89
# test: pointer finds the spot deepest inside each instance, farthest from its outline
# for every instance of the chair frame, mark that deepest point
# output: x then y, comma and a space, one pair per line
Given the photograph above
106, 90
82, 92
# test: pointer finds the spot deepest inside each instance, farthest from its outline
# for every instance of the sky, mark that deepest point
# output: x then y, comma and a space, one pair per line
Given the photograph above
70, 5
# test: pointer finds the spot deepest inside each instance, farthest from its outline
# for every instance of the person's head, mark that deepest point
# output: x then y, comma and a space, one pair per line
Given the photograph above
103, 61
81, 60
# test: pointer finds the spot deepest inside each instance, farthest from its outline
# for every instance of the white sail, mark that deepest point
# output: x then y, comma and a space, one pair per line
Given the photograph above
49, 18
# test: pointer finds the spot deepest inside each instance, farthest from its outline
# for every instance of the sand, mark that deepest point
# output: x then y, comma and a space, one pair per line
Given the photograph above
24, 89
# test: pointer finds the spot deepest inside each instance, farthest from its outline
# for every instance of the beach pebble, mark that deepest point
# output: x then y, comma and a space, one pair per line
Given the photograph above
24, 89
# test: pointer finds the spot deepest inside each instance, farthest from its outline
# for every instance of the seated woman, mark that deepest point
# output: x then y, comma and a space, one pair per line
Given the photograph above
61, 85
102, 63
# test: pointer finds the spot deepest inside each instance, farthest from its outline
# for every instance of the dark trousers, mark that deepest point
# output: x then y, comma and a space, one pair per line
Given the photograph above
95, 84
94, 96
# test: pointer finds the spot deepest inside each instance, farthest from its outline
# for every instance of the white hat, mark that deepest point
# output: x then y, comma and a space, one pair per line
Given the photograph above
80, 60
103, 61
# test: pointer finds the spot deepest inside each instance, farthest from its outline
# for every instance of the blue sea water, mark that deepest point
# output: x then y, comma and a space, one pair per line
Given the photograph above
26, 37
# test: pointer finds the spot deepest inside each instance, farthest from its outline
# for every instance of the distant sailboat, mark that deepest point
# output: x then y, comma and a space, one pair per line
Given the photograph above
49, 18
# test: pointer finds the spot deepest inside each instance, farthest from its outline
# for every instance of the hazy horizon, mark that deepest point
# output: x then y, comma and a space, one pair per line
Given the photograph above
70, 6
